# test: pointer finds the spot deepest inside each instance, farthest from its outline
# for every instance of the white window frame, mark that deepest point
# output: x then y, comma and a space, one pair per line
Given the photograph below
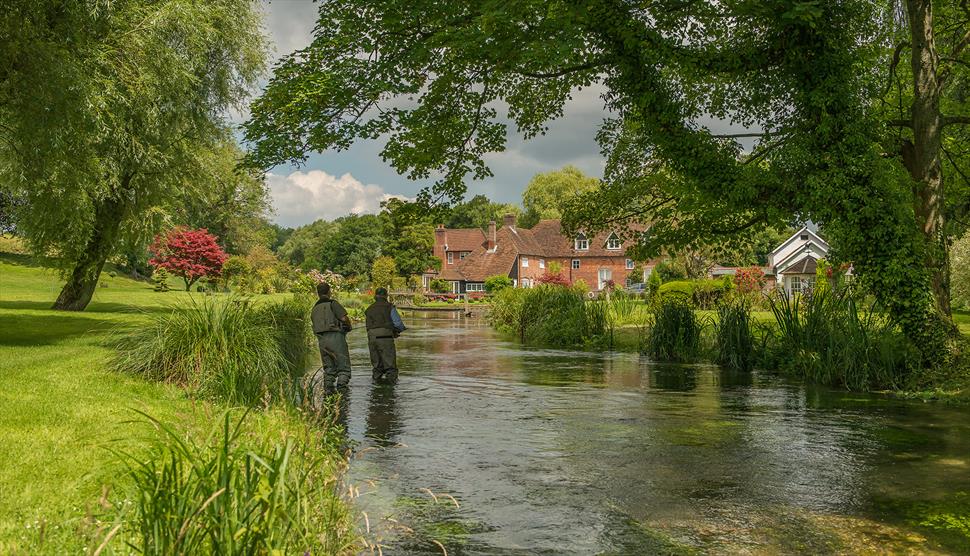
581, 243
462, 255
795, 285
575, 264
629, 264
542, 263
474, 287
451, 257
613, 243
525, 262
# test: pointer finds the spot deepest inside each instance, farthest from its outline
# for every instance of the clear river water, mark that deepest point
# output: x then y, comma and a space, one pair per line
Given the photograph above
485, 446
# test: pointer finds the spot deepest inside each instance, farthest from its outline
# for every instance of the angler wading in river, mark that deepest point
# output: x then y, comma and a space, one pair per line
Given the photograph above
331, 325
383, 325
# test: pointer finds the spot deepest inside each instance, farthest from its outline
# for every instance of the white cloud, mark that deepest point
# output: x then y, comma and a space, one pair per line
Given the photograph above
302, 197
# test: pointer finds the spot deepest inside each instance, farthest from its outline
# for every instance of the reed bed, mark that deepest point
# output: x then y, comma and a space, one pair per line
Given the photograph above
552, 315
734, 339
828, 338
673, 331
228, 350
234, 491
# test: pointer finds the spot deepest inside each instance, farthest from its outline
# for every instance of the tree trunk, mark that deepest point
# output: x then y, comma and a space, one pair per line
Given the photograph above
922, 157
77, 292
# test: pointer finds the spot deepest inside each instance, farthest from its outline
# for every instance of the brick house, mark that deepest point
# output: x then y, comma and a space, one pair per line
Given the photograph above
469, 256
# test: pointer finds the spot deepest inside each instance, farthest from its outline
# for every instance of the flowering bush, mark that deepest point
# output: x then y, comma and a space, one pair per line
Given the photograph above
190, 254
750, 280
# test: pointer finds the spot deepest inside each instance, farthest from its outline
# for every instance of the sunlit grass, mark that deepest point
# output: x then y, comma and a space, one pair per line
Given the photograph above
60, 406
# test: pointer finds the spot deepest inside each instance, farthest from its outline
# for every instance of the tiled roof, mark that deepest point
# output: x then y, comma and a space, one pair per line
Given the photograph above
548, 234
464, 239
545, 239
481, 263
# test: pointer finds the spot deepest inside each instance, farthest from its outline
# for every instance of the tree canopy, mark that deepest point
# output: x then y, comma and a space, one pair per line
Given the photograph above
844, 134
109, 111
546, 194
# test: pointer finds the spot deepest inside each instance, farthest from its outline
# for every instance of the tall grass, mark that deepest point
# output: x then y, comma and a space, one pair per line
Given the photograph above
230, 493
553, 316
826, 337
733, 337
673, 332
229, 350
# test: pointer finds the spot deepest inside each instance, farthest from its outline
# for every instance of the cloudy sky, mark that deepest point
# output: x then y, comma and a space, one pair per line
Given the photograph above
334, 184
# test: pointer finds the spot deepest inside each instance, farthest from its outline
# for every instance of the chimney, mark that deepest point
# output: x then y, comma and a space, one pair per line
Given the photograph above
440, 242
509, 221
490, 240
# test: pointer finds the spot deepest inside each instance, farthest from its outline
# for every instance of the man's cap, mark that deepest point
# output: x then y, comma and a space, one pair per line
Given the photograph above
382, 292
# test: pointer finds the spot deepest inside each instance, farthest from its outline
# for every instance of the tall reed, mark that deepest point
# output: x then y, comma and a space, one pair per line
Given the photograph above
233, 493
828, 338
674, 331
552, 315
734, 340
229, 350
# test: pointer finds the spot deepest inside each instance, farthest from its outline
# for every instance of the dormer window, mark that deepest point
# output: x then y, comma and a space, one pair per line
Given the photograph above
581, 243
613, 243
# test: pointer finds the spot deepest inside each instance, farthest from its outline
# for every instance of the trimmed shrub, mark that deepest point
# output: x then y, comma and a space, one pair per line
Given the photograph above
674, 332
703, 294
683, 289
160, 279
497, 283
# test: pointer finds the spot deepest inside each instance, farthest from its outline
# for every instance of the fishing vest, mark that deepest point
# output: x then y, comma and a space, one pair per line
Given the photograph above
323, 318
378, 315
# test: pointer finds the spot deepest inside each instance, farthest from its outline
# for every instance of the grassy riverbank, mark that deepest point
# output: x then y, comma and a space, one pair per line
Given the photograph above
61, 410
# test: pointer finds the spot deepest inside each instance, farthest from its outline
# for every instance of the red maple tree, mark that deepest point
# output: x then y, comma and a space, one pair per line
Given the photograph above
553, 278
191, 254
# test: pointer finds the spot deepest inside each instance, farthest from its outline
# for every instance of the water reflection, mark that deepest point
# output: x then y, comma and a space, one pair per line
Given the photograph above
552, 451
382, 421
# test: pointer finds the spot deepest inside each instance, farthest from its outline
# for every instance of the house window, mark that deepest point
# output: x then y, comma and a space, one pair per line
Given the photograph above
795, 285
575, 264
451, 258
803, 237
462, 255
542, 263
581, 244
525, 262
613, 243
629, 264
474, 287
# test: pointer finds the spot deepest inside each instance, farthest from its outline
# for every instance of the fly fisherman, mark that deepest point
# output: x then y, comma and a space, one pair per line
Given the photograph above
383, 325
331, 325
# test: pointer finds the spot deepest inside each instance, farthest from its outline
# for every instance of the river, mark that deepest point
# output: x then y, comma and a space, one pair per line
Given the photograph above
490, 447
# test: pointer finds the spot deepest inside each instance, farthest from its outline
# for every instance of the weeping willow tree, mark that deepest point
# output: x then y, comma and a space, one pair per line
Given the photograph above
848, 106
108, 111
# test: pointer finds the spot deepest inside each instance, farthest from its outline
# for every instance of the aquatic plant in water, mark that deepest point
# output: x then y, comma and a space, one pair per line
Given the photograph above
734, 340
828, 338
674, 331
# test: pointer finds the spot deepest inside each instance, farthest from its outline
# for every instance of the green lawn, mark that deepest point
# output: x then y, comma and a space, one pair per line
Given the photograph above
60, 408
